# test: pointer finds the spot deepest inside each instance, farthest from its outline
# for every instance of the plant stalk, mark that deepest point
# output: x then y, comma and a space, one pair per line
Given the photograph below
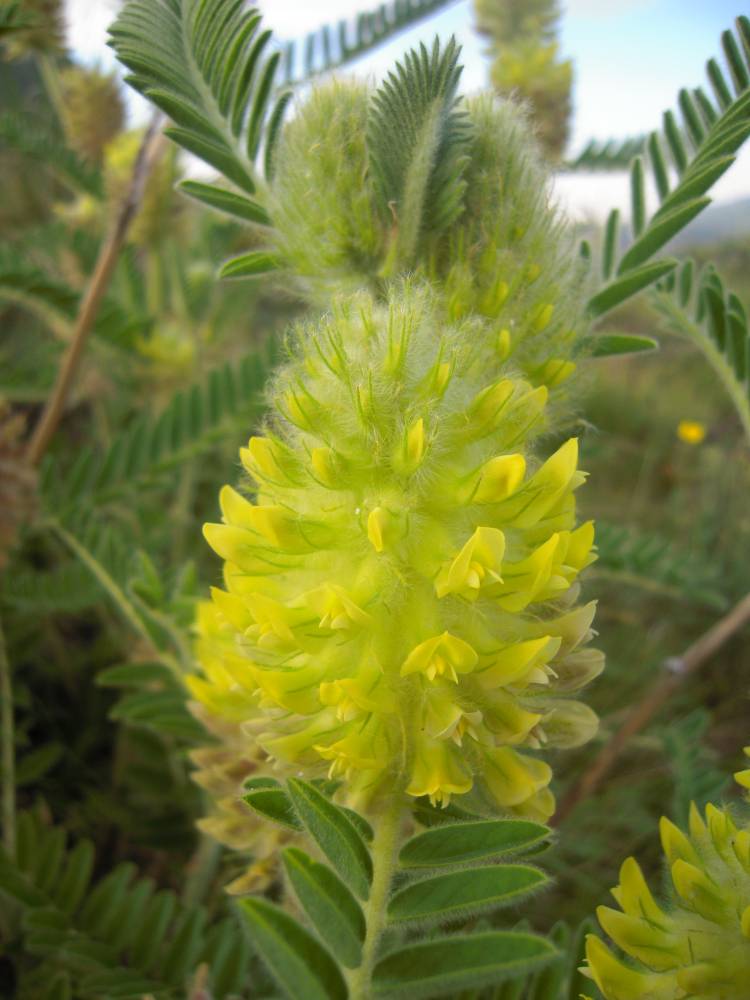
91, 301
386, 844
8, 752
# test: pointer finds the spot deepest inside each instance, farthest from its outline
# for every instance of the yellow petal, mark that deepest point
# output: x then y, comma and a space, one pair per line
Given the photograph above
499, 478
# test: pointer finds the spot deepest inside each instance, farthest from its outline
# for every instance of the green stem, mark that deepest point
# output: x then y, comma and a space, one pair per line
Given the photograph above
734, 388
8, 755
386, 844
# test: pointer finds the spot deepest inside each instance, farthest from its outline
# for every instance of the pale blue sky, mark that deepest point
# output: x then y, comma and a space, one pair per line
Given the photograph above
631, 57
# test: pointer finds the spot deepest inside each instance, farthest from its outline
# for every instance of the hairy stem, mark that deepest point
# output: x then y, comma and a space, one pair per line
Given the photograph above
8, 752
386, 844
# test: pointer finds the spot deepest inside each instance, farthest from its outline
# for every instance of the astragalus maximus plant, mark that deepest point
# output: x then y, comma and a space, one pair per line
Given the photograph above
400, 564
398, 641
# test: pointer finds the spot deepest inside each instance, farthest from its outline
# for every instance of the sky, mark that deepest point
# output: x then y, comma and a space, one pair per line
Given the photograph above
631, 57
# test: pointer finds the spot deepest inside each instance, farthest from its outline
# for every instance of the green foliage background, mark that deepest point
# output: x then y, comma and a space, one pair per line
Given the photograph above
115, 893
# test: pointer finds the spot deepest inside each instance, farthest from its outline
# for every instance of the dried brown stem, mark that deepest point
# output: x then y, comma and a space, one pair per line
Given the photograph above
641, 714
97, 287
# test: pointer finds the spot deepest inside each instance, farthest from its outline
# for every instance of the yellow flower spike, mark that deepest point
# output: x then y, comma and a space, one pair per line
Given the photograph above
438, 772
745, 922
617, 981
519, 664
675, 844
478, 563
336, 608
634, 895
499, 478
532, 272
512, 778
443, 655
504, 344
543, 317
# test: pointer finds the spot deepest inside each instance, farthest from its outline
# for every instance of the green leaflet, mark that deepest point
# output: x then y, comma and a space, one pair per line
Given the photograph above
118, 937
272, 803
334, 834
659, 231
604, 345
302, 966
628, 284
444, 966
462, 892
460, 843
331, 908
226, 201
204, 64
134, 675
702, 148
248, 265
416, 143
331, 47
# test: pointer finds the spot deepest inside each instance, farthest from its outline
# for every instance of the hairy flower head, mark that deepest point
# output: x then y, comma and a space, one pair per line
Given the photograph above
400, 580
501, 254
698, 945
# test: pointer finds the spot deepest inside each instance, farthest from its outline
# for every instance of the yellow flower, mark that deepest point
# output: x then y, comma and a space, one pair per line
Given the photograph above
438, 772
443, 655
700, 944
691, 431
476, 564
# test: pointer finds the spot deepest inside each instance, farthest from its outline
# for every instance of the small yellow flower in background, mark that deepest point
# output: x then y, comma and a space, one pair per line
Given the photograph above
691, 431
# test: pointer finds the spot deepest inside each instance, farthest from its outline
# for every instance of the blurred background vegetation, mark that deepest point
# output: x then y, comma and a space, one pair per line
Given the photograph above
101, 552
